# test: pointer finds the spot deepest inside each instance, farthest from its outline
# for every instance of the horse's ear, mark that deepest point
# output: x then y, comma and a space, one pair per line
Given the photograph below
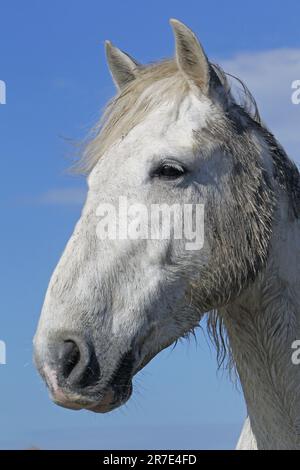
190, 56
123, 68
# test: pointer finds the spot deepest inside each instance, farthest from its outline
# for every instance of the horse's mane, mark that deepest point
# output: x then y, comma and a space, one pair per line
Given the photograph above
154, 83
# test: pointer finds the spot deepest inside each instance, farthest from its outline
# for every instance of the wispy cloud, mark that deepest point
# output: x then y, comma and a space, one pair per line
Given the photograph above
162, 436
63, 196
269, 76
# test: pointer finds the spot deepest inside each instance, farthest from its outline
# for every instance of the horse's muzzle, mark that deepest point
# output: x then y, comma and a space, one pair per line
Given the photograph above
73, 376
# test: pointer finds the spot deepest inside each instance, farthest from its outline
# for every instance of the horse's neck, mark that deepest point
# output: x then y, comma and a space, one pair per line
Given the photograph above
262, 325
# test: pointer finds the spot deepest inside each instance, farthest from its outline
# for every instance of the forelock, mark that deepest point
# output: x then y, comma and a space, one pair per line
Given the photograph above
156, 83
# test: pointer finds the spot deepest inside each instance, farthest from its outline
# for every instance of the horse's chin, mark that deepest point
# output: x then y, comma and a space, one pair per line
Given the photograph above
112, 399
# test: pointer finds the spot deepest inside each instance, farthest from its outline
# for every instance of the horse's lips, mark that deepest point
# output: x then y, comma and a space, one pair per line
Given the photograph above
108, 402
104, 405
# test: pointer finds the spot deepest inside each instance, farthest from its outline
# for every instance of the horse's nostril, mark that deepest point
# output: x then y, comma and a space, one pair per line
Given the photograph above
69, 357
75, 363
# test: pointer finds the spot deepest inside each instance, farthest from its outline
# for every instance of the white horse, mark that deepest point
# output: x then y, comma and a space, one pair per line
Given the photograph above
174, 134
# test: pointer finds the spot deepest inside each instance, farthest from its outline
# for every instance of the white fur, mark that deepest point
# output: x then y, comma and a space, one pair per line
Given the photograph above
117, 292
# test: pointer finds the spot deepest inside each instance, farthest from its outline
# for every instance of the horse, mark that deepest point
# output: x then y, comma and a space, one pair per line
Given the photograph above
175, 134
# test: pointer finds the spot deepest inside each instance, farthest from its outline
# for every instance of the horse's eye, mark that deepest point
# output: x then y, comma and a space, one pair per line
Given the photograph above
169, 171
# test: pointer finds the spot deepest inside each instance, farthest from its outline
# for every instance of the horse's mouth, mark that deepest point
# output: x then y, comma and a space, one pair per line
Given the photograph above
112, 399
116, 393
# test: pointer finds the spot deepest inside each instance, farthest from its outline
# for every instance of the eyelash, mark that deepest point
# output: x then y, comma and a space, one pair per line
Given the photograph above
177, 170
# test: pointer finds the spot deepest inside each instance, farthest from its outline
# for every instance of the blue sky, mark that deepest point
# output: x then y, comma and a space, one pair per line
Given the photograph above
52, 60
